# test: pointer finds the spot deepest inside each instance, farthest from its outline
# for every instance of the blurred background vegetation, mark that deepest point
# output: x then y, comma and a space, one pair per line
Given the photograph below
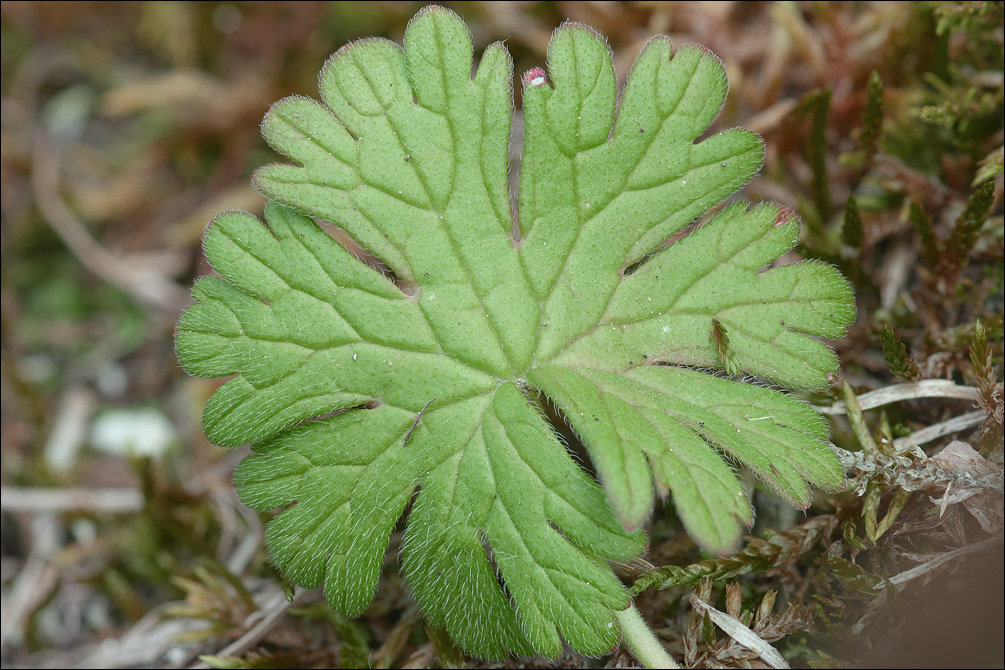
127, 126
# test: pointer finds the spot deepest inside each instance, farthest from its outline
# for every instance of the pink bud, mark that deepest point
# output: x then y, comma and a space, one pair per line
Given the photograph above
783, 216
535, 77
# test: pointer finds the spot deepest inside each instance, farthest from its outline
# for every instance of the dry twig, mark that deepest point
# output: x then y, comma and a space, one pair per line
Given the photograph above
742, 634
926, 388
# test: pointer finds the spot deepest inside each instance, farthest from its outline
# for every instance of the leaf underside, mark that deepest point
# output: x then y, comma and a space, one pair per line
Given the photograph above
360, 394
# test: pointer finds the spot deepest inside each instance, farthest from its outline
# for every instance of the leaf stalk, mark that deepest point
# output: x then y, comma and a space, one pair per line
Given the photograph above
642, 641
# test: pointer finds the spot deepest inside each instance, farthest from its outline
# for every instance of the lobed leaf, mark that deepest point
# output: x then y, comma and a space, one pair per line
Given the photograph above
364, 395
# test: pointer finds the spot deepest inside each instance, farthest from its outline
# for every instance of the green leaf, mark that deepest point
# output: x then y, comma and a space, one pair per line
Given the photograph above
895, 353
872, 122
968, 226
364, 395
852, 233
819, 106
923, 226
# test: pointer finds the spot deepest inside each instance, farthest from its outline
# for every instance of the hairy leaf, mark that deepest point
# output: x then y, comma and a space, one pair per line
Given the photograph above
364, 395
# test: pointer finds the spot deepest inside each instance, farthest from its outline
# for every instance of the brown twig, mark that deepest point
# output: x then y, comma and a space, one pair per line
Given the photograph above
742, 634
45, 499
35, 582
936, 562
145, 276
274, 611
934, 432
926, 388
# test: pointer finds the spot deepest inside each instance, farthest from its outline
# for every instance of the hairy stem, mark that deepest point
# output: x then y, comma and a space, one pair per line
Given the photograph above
642, 641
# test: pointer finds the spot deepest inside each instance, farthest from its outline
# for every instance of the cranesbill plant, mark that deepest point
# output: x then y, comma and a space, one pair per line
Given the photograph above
363, 393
